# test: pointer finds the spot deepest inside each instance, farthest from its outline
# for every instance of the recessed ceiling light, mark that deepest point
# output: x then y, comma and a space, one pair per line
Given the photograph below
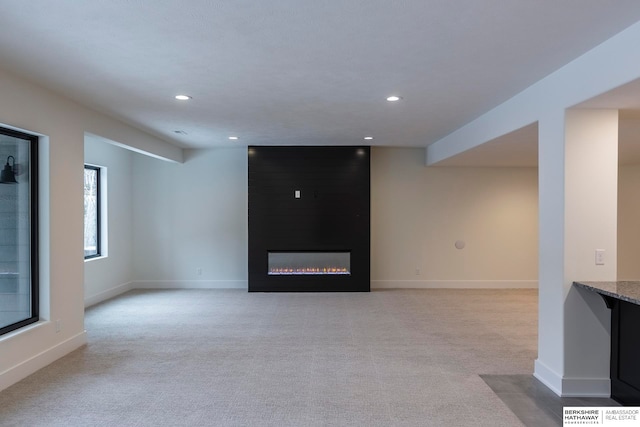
393, 98
368, 138
183, 97
233, 137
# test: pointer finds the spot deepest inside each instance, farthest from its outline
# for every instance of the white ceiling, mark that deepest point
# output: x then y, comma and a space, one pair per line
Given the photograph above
299, 72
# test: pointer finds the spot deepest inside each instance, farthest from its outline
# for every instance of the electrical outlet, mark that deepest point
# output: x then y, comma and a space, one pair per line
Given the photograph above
417, 271
199, 271
58, 326
599, 256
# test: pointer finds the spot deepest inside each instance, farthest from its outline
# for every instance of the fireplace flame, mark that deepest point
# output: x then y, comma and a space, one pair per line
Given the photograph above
308, 270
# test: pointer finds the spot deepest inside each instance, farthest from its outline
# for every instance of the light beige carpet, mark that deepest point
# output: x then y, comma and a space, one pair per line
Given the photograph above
230, 358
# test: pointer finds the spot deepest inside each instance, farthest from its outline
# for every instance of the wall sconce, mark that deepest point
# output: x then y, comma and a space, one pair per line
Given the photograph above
8, 176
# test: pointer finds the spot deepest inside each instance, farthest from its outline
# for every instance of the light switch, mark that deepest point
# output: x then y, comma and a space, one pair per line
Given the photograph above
297, 194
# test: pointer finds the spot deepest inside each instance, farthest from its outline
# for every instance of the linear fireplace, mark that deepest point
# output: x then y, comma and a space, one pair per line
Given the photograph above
309, 263
309, 219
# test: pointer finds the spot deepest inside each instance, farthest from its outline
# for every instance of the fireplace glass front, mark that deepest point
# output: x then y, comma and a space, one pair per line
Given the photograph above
309, 263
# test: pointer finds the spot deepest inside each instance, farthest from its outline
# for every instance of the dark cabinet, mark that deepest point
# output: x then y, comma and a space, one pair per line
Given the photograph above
625, 352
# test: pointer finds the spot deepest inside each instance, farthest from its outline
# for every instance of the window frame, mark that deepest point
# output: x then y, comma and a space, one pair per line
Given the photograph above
34, 231
99, 251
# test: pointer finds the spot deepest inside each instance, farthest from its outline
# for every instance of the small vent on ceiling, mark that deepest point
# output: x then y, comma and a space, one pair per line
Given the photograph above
180, 132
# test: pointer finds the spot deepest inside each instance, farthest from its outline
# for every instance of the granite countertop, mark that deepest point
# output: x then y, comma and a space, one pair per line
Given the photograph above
624, 290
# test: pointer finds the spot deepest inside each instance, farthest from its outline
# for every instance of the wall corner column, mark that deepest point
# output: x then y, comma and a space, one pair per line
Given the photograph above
578, 167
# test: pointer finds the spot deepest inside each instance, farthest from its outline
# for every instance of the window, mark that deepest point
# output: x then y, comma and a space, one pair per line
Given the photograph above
92, 212
18, 230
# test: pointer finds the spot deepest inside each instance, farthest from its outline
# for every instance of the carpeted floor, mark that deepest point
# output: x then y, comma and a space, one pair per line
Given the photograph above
230, 358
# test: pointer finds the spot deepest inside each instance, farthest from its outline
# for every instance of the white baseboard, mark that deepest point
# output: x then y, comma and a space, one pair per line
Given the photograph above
586, 387
164, 284
40, 360
109, 293
548, 377
571, 387
454, 284
375, 284
190, 284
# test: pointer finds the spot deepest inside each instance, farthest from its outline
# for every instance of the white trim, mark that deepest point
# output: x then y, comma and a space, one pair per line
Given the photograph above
571, 387
25, 329
548, 377
586, 387
163, 284
95, 258
375, 284
454, 284
190, 284
40, 360
108, 294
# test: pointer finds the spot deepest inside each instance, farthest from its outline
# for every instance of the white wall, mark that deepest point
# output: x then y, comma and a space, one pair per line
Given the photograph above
590, 206
107, 276
628, 222
418, 213
194, 215
62, 124
191, 216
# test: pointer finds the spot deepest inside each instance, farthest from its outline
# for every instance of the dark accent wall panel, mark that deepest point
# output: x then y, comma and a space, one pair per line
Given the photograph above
332, 213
